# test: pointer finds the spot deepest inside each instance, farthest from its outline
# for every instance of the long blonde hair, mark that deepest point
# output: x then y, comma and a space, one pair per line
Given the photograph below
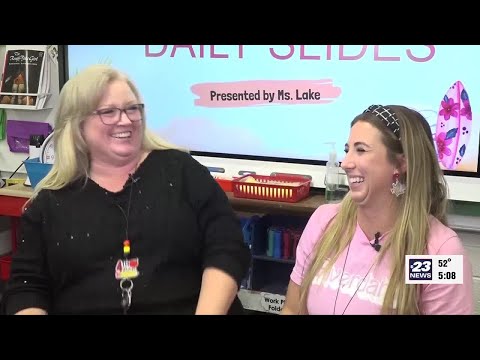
426, 194
79, 97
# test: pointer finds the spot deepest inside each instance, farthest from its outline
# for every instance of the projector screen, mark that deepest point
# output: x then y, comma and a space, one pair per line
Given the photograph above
279, 108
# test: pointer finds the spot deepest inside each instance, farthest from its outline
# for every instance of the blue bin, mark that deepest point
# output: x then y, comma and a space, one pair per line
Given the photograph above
36, 170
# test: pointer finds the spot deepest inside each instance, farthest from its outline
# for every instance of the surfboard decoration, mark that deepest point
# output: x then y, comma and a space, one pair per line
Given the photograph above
454, 123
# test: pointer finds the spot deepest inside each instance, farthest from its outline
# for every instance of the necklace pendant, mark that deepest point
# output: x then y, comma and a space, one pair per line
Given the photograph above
126, 269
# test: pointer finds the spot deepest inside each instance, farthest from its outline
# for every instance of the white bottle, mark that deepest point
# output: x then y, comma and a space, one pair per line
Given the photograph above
332, 176
34, 149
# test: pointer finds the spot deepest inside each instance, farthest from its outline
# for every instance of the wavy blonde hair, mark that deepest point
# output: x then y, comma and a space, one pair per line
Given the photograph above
78, 98
426, 194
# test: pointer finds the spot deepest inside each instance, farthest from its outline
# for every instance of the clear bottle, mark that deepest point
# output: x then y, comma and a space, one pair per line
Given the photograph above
332, 177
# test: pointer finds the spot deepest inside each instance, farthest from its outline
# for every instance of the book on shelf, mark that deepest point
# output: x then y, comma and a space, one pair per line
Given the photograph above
25, 83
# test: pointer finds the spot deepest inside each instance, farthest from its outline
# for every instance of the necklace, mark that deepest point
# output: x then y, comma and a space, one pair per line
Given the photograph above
126, 269
340, 282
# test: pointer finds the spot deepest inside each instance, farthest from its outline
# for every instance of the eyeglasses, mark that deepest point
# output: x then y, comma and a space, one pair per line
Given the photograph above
111, 116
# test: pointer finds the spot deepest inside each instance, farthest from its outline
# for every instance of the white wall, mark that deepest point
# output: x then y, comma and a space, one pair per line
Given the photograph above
10, 161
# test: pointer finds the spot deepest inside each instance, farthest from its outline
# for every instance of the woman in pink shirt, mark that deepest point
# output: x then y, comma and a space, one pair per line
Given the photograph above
351, 256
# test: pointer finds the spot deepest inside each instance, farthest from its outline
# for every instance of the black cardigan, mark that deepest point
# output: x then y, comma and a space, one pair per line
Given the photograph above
179, 222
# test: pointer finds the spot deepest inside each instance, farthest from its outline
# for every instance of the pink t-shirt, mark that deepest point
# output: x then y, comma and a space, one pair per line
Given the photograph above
361, 287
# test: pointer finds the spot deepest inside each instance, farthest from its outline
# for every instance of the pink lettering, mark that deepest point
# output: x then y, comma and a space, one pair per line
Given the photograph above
342, 56
424, 59
288, 52
377, 57
240, 51
329, 52
149, 53
307, 57
216, 56
189, 47
283, 57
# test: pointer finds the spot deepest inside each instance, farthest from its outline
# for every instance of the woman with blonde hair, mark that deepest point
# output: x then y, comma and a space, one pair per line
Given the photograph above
351, 256
124, 222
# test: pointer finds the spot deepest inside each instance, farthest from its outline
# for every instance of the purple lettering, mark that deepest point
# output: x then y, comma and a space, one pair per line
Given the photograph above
202, 51
149, 53
342, 56
377, 57
189, 47
422, 59
307, 57
240, 51
283, 57
216, 56
329, 52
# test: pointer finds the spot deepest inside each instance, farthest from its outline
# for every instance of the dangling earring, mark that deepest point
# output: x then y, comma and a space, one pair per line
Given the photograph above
397, 187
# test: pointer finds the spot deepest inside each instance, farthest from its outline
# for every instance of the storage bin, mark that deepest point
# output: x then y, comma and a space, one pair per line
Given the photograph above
225, 184
287, 188
36, 170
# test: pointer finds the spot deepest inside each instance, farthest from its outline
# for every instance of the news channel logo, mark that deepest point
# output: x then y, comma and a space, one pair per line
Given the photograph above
434, 269
420, 269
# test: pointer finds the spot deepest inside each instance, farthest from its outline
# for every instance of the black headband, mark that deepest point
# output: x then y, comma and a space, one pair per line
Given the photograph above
387, 116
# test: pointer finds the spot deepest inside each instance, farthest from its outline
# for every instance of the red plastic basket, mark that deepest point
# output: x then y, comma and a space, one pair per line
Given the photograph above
5, 262
286, 188
225, 184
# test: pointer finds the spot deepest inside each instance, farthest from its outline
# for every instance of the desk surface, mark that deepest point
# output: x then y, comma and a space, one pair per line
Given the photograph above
17, 190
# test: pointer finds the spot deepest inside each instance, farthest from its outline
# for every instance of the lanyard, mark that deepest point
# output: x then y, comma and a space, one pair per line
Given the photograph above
126, 270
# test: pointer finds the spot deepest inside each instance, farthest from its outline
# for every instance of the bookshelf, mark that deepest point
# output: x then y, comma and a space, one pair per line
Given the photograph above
265, 293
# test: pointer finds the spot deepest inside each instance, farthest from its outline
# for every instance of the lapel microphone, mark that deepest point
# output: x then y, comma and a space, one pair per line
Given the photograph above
376, 245
132, 179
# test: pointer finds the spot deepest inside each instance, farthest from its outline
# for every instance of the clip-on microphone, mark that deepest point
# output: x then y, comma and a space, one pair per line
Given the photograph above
133, 180
376, 245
